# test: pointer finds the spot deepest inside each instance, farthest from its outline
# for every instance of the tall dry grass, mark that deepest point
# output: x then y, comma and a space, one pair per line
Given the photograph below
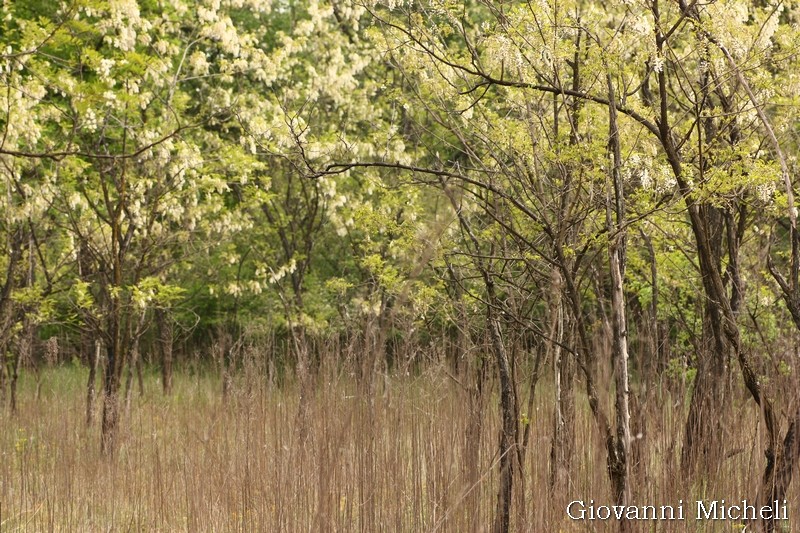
399, 460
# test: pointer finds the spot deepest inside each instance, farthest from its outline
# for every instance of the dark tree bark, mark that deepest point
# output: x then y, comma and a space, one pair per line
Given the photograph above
703, 424
92, 351
165, 340
112, 379
24, 352
9, 314
508, 433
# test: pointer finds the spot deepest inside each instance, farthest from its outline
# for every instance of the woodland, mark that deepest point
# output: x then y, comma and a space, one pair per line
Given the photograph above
397, 265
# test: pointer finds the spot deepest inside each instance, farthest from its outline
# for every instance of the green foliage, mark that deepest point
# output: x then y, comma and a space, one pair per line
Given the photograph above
151, 292
82, 296
195, 158
677, 369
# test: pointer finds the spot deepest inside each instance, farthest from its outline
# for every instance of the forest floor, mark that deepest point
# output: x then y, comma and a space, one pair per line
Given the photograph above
407, 457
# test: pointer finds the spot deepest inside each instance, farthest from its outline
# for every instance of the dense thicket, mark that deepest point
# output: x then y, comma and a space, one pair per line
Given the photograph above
601, 194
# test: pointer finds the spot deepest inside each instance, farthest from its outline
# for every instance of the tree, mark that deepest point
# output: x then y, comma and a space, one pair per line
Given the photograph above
115, 117
462, 61
493, 153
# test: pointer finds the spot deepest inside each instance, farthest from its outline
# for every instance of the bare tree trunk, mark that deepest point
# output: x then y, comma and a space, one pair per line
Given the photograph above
112, 380
783, 457
8, 313
563, 445
111, 386
24, 352
780, 470
90, 343
712, 278
134, 330
12, 385
26, 339
165, 339
509, 422
223, 348
473, 435
619, 468
93, 355
654, 352
701, 439
539, 361
4, 377
132, 364
300, 349
620, 472
140, 374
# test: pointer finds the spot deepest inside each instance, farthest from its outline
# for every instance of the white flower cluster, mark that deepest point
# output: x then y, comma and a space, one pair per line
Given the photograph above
281, 273
21, 101
728, 21
36, 202
230, 222
765, 192
390, 4
642, 25
224, 32
124, 18
90, 120
658, 64
503, 52
368, 308
198, 63
770, 25
104, 71
651, 175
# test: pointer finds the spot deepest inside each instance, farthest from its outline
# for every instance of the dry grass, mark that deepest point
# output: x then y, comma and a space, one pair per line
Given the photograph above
398, 461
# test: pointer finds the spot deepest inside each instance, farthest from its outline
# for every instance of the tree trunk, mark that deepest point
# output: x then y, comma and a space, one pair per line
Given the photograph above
701, 439
508, 400
655, 361
111, 388
619, 467
115, 362
132, 367
303, 369
93, 356
509, 423
8, 313
563, 444
140, 375
473, 435
3, 375
779, 471
223, 347
783, 457
165, 338
24, 351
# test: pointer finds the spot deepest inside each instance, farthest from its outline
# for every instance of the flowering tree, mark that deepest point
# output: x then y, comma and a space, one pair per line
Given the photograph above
108, 102
517, 170
670, 96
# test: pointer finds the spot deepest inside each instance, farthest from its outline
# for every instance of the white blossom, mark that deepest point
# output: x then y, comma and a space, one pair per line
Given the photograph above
658, 64
198, 63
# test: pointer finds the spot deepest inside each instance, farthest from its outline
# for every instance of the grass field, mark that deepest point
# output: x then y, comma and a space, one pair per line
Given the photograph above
400, 460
